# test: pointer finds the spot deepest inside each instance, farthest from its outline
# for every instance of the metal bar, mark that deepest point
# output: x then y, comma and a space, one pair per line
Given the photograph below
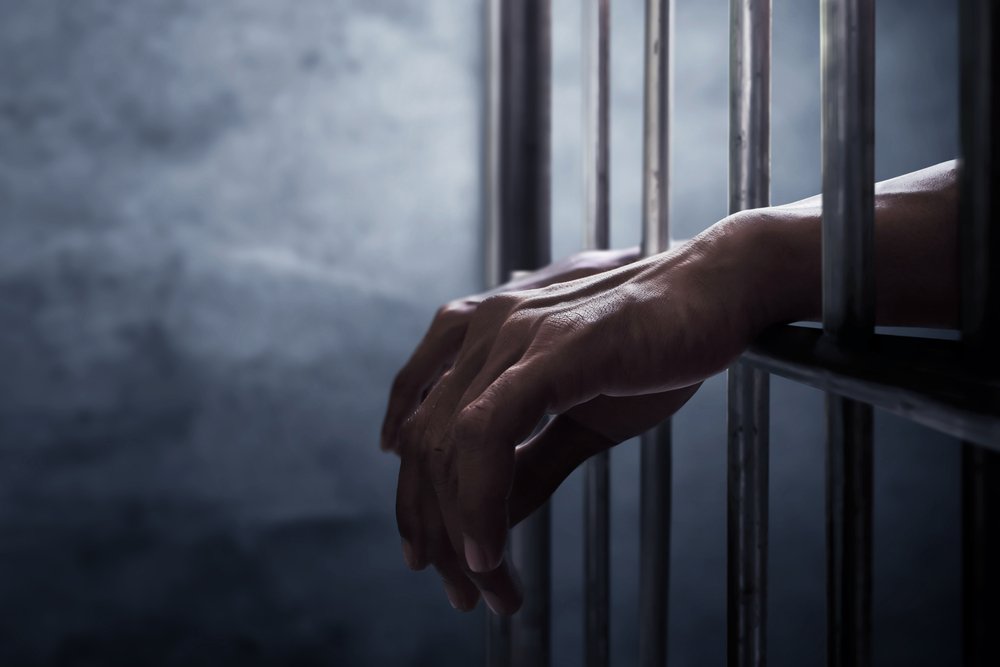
747, 516
655, 455
980, 248
597, 558
919, 379
849, 531
518, 238
980, 554
848, 88
749, 187
848, 58
654, 544
749, 104
597, 551
497, 627
531, 549
597, 106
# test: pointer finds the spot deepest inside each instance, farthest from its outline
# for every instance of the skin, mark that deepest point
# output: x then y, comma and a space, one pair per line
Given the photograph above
610, 347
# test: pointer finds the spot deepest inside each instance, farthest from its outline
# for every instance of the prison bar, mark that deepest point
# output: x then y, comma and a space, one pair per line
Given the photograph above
926, 381
597, 539
848, 133
656, 447
950, 386
747, 478
980, 251
518, 239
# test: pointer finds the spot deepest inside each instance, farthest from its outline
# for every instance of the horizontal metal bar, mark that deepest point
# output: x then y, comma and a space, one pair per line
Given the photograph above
924, 380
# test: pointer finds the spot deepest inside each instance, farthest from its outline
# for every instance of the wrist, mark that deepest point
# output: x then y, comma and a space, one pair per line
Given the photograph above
776, 253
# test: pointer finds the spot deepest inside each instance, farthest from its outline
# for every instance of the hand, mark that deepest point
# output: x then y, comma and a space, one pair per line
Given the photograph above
612, 355
440, 344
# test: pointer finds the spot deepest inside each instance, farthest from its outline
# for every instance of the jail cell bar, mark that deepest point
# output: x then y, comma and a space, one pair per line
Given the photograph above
952, 387
980, 314
656, 447
749, 187
848, 138
597, 236
518, 239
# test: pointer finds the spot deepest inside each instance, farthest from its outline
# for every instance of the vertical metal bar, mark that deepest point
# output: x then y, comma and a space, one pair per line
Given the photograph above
497, 627
518, 238
980, 254
980, 555
525, 130
655, 456
749, 187
746, 607
848, 56
492, 166
597, 552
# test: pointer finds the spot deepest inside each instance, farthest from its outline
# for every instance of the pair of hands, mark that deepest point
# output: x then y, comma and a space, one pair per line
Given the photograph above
611, 349
610, 355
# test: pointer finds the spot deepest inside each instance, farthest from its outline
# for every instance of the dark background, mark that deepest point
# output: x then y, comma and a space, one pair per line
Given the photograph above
223, 225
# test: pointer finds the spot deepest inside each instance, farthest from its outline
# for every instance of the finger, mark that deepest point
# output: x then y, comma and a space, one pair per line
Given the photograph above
461, 591
409, 514
435, 351
438, 453
424, 464
484, 435
501, 588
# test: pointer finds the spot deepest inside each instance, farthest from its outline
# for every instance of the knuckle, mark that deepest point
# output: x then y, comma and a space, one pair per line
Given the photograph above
469, 427
499, 305
436, 460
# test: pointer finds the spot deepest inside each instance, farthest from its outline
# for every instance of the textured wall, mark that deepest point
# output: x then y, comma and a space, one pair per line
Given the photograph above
222, 227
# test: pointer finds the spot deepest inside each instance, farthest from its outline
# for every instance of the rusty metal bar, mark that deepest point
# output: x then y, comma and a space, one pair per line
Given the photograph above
597, 546
655, 455
749, 187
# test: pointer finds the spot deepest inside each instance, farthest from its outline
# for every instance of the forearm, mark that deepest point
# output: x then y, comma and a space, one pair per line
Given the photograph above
916, 253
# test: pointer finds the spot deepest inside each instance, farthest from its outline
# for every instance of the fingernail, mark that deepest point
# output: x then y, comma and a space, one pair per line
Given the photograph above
475, 556
411, 561
492, 601
454, 597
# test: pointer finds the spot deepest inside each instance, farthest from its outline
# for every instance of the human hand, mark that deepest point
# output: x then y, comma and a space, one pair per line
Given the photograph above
612, 355
439, 346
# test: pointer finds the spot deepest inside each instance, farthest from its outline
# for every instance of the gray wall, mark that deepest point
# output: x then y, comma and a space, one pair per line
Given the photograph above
222, 227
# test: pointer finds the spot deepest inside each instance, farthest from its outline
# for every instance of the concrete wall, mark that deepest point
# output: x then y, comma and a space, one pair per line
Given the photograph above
222, 227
